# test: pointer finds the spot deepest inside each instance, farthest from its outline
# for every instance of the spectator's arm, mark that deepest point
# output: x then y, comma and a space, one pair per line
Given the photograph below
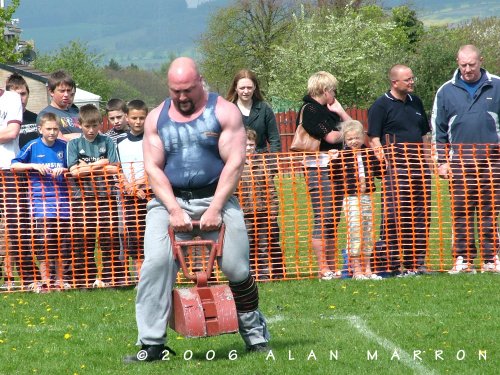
333, 137
41, 168
135, 187
98, 168
337, 108
439, 124
10, 132
377, 148
13, 117
273, 135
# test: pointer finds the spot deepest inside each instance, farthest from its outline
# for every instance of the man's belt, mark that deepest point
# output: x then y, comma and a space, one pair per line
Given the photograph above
200, 193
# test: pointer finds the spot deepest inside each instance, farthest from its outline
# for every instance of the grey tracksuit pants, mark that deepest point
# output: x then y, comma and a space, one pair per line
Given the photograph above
159, 270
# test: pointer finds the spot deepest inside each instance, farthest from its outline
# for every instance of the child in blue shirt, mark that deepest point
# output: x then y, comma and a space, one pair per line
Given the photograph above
45, 160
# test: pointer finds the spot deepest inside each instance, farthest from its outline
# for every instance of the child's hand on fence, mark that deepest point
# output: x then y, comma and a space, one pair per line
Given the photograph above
379, 153
42, 169
140, 194
333, 154
444, 171
58, 171
128, 187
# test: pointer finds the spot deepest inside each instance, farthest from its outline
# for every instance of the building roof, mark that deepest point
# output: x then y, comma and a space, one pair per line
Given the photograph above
26, 71
85, 97
81, 96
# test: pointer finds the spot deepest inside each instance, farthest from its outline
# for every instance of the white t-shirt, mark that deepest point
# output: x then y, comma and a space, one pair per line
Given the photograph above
131, 156
11, 112
361, 167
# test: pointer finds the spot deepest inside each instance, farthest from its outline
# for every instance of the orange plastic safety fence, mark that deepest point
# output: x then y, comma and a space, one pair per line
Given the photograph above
327, 215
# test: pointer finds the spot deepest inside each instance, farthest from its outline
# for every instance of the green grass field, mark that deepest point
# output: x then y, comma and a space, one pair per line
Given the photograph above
436, 324
419, 325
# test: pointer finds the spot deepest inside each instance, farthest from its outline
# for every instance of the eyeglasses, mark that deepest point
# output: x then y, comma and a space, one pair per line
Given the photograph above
407, 80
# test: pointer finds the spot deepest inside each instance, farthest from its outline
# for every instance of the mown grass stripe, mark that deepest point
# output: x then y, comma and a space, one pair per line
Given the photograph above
405, 358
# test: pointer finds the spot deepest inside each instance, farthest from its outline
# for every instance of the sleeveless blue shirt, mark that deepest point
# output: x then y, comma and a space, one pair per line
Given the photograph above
191, 148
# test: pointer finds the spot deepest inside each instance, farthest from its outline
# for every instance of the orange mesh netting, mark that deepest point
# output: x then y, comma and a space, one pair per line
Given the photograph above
303, 213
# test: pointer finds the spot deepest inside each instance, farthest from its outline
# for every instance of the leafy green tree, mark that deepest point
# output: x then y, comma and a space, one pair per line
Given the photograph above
223, 56
485, 34
82, 64
113, 65
8, 51
134, 83
162, 72
337, 7
243, 36
123, 90
406, 19
338, 3
357, 47
434, 61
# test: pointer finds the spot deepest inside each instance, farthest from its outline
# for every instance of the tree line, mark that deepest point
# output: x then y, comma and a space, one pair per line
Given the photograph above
284, 42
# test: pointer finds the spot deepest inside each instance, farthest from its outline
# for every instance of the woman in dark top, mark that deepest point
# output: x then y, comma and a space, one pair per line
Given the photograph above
259, 117
321, 118
257, 114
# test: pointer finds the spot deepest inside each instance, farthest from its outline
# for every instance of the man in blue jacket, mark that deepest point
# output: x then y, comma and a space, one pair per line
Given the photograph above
466, 129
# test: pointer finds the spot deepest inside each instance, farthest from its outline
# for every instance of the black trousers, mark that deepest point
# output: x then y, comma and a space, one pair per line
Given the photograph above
404, 228
475, 199
266, 255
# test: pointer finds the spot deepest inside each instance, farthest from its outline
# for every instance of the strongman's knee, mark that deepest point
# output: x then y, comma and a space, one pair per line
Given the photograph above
246, 294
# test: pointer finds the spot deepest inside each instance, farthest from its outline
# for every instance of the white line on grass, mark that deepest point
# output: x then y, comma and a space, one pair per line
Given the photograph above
406, 358
275, 319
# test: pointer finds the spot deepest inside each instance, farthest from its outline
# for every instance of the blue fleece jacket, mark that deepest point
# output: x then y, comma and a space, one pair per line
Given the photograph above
467, 124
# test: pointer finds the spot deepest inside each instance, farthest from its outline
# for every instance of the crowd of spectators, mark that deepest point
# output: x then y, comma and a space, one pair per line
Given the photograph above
68, 189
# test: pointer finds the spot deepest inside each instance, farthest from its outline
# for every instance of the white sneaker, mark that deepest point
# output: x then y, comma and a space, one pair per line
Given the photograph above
329, 275
461, 267
62, 285
491, 266
99, 284
9, 286
35, 287
360, 277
